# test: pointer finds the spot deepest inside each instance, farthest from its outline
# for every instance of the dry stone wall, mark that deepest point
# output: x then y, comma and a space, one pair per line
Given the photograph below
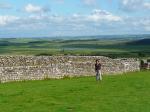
18, 68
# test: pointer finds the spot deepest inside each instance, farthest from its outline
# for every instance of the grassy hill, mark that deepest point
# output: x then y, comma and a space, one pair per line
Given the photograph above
121, 93
111, 47
140, 42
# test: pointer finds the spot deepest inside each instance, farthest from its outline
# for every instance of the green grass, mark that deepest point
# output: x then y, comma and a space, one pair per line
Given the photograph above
92, 47
121, 93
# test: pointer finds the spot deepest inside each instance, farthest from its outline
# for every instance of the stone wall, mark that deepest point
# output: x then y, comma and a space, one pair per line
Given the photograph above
17, 68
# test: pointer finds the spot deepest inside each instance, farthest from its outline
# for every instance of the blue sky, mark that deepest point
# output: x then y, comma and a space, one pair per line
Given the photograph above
36, 18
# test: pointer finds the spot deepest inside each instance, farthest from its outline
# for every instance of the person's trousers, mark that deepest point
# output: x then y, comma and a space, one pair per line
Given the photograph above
98, 75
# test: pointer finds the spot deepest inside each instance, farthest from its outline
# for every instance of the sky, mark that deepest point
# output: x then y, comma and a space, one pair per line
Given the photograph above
49, 18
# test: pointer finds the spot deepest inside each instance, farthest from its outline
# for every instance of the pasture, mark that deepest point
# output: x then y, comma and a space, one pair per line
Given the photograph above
116, 47
120, 93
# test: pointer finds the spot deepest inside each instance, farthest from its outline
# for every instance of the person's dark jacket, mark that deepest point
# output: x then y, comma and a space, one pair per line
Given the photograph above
97, 67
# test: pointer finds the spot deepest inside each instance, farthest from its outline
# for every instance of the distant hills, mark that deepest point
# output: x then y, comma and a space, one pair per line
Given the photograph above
140, 42
100, 37
111, 46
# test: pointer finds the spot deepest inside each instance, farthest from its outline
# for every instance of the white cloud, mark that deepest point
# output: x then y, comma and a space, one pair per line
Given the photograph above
137, 24
147, 5
134, 5
97, 16
102, 15
4, 20
145, 23
30, 8
95, 22
130, 5
5, 6
89, 2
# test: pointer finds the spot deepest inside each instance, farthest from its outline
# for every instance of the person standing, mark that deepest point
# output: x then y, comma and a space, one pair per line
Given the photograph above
98, 70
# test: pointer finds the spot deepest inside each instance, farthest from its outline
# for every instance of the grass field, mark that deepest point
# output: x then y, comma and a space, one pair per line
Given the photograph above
122, 93
115, 47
